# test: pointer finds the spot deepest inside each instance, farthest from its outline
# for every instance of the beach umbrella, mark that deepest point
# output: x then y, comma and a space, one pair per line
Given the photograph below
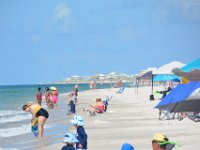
183, 98
168, 68
166, 77
191, 66
191, 71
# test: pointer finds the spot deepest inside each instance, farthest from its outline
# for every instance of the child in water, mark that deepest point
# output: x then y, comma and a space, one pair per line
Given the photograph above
71, 107
78, 123
70, 140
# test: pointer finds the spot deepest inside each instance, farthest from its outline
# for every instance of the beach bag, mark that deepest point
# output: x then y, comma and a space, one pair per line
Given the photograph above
152, 97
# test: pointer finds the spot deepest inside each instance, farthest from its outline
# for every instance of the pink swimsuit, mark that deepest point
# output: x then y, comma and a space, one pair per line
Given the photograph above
54, 99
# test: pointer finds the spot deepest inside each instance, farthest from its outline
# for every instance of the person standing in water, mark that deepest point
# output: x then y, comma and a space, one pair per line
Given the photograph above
39, 96
37, 113
54, 96
47, 97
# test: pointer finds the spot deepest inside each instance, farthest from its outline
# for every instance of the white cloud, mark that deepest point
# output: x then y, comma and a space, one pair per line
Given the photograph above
62, 12
61, 18
188, 9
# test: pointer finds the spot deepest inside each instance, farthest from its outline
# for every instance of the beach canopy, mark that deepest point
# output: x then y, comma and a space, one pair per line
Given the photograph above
167, 77
184, 98
147, 75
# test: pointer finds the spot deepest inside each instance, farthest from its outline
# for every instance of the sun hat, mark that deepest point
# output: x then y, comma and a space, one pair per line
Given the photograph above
77, 120
160, 137
53, 88
127, 146
70, 138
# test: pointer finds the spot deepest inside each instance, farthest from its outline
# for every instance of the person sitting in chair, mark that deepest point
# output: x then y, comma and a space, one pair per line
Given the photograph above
161, 142
97, 108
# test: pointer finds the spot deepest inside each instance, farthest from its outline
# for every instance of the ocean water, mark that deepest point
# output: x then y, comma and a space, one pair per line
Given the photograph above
14, 122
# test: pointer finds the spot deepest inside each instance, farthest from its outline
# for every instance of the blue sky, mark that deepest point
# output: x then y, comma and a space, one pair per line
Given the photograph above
48, 40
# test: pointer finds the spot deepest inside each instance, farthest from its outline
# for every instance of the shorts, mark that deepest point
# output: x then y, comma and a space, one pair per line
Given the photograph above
42, 112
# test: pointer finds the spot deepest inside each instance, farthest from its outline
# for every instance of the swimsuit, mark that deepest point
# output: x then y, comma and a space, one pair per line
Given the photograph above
54, 99
39, 111
39, 96
101, 109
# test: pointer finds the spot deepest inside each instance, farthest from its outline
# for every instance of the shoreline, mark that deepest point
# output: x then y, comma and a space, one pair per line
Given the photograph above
130, 117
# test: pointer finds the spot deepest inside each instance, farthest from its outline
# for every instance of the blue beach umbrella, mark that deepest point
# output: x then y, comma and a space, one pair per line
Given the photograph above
166, 77
191, 66
184, 98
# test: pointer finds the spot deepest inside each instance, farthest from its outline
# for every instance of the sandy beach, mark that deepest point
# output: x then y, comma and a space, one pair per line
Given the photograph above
131, 118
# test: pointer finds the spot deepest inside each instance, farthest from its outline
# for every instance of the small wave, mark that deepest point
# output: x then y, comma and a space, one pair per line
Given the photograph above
15, 118
8, 132
14, 131
9, 149
10, 112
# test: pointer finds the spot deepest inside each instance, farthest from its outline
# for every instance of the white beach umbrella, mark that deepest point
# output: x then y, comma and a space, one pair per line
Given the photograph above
168, 68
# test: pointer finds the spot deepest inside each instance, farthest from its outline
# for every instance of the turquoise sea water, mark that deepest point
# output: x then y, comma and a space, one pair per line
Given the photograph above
15, 123
12, 97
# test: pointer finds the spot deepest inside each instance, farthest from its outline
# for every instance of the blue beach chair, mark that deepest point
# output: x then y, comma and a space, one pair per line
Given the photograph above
121, 90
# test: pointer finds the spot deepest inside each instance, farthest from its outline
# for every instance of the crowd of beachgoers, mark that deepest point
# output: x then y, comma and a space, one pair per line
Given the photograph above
79, 139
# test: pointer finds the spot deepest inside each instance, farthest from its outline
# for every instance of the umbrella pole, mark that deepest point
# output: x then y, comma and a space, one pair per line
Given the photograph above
152, 96
152, 85
174, 107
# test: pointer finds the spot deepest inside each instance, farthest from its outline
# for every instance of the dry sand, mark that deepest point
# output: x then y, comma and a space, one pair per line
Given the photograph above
131, 118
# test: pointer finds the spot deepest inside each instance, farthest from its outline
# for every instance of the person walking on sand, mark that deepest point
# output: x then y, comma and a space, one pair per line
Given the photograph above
78, 123
37, 113
39, 96
75, 90
119, 83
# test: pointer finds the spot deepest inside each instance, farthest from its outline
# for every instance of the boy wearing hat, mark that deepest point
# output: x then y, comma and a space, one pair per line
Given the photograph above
78, 122
70, 140
161, 142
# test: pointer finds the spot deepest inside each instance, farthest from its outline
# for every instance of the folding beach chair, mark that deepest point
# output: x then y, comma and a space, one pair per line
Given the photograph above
166, 115
121, 90
194, 117
89, 112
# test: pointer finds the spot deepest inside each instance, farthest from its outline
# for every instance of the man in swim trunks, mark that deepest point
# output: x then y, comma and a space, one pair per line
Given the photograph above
37, 113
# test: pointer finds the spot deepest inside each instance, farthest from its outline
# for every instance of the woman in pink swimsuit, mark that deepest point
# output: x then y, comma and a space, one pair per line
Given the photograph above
54, 97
